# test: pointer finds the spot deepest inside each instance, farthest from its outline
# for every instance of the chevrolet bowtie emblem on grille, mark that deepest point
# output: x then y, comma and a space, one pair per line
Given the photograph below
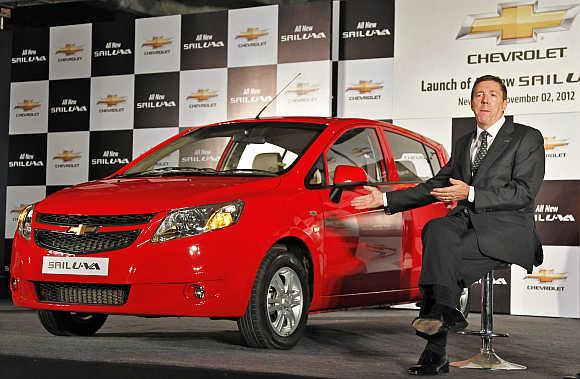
252, 33
302, 89
547, 276
69, 49
67, 155
27, 105
111, 100
516, 23
365, 86
157, 42
202, 95
550, 143
82, 229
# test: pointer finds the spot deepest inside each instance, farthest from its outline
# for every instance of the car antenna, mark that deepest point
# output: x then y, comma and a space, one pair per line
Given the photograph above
278, 94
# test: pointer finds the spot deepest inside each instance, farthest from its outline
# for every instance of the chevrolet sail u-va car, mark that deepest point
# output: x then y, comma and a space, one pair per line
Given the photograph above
247, 220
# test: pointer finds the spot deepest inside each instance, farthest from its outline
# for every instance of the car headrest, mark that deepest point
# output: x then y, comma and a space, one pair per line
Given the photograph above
267, 162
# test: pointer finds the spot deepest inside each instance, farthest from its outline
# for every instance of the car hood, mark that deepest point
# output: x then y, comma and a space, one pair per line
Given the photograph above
149, 195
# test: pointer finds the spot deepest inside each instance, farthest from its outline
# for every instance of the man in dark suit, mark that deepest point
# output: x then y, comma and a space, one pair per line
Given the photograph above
494, 174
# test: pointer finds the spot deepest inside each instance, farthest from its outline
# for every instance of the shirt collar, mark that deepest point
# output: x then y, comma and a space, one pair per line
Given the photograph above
492, 130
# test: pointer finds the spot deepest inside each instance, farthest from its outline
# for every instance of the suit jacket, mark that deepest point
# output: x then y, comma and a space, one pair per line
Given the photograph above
505, 184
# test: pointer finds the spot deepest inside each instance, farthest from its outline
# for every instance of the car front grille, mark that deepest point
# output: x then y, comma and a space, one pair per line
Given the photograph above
78, 293
75, 220
85, 243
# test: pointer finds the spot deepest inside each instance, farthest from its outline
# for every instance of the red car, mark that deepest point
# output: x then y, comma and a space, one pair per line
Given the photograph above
246, 220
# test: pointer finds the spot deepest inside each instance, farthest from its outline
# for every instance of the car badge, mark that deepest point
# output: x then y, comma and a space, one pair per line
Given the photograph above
82, 229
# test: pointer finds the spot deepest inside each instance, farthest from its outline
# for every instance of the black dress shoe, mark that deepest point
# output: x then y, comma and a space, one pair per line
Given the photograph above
453, 320
438, 319
430, 363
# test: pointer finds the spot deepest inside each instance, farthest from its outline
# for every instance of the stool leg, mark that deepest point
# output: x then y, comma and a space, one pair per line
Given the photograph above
487, 358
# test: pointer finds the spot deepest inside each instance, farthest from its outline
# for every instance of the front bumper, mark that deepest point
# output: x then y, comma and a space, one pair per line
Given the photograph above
161, 277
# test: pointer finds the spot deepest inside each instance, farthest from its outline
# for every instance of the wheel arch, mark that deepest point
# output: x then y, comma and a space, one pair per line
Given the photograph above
297, 246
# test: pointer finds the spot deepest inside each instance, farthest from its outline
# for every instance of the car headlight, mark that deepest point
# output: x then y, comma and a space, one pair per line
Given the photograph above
25, 222
197, 220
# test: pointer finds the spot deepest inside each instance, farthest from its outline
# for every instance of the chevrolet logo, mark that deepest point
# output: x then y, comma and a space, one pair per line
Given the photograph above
302, 89
202, 95
69, 49
82, 229
365, 86
157, 42
67, 155
111, 100
550, 143
547, 276
19, 208
27, 105
515, 23
252, 33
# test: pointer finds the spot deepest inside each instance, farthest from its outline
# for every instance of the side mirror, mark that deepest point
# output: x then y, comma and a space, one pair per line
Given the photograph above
344, 177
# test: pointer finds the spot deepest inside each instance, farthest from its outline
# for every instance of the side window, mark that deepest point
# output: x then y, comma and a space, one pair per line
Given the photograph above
317, 175
411, 158
433, 159
357, 147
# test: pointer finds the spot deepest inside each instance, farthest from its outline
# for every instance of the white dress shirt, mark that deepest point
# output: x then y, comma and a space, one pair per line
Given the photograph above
492, 130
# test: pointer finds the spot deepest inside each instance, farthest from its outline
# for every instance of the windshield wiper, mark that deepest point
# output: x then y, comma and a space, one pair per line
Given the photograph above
170, 171
248, 171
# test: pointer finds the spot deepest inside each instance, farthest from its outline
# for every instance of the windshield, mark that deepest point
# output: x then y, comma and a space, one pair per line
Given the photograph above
247, 149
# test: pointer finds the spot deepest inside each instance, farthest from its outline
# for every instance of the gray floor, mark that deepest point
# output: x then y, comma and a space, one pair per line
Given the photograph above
371, 343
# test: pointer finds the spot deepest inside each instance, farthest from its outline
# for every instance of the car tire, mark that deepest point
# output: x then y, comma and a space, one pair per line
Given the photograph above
279, 302
464, 302
71, 323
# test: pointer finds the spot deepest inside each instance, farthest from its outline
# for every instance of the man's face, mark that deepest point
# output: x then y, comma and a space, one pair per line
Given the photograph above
488, 103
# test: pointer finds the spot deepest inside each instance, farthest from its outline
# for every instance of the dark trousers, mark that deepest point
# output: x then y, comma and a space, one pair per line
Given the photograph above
451, 259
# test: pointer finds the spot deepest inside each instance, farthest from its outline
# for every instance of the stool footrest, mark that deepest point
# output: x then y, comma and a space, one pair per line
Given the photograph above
482, 333
487, 359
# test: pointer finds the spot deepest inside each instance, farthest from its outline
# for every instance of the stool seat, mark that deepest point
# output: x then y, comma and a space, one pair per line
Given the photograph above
486, 358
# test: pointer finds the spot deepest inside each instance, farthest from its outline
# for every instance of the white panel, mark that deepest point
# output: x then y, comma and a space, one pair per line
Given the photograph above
67, 160
112, 100
438, 129
553, 289
70, 52
253, 36
561, 140
535, 69
29, 107
309, 94
365, 88
203, 97
18, 197
157, 44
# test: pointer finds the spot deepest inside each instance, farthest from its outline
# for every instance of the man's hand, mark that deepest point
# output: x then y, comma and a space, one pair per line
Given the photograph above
458, 190
373, 200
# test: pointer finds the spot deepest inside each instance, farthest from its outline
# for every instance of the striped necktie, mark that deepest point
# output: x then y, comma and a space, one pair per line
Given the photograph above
481, 152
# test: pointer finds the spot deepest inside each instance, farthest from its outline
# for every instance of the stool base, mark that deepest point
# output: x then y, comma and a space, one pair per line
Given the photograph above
489, 360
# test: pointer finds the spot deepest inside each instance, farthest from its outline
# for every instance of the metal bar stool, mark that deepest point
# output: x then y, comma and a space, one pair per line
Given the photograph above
486, 358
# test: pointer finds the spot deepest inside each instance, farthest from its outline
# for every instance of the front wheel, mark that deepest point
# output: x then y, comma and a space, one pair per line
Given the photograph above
278, 308
71, 323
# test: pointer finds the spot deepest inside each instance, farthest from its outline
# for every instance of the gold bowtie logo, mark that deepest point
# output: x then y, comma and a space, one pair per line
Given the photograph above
550, 143
547, 276
202, 95
302, 89
365, 86
518, 23
27, 105
252, 33
69, 49
111, 100
157, 42
82, 229
67, 155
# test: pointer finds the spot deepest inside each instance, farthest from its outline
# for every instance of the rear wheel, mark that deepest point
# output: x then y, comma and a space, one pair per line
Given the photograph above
278, 308
71, 323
